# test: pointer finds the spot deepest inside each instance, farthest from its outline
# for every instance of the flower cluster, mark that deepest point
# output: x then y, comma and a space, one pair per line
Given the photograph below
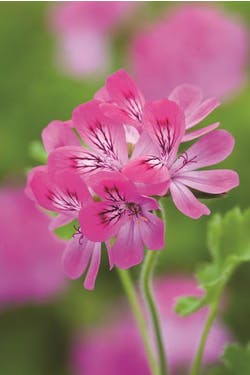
109, 163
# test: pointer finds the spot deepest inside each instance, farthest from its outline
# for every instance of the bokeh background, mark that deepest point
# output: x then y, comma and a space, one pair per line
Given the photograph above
40, 83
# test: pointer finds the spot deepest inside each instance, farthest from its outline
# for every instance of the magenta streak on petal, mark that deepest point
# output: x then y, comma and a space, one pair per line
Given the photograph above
102, 140
118, 207
64, 201
133, 106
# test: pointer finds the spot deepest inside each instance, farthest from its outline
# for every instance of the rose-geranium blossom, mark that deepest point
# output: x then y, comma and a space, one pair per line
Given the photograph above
109, 162
124, 214
66, 194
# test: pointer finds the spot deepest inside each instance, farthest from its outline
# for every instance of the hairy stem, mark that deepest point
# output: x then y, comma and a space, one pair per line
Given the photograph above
130, 291
146, 285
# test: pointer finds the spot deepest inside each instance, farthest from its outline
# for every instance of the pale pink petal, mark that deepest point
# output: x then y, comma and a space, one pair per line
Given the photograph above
94, 266
208, 150
132, 134
145, 147
76, 256
60, 220
152, 231
104, 136
165, 123
110, 255
58, 134
188, 97
128, 248
214, 182
198, 133
201, 112
100, 221
186, 202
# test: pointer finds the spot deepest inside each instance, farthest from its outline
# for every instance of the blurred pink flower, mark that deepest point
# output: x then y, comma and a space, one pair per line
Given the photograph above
83, 30
197, 45
117, 349
30, 268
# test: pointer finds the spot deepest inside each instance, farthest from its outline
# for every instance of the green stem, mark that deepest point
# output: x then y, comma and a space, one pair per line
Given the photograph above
195, 370
139, 317
146, 285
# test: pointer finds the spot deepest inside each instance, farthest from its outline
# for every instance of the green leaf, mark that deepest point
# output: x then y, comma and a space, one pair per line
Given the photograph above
188, 305
236, 361
66, 231
228, 239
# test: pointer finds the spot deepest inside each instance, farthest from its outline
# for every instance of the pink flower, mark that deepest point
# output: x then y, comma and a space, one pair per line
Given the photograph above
198, 45
58, 134
155, 158
189, 99
84, 31
118, 346
66, 194
30, 267
107, 148
124, 214
125, 103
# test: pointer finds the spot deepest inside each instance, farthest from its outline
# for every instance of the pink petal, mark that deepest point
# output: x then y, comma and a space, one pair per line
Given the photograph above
94, 266
58, 134
152, 232
186, 202
99, 221
214, 181
77, 256
64, 192
151, 173
165, 123
198, 133
102, 95
208, 150
113, 185
32, 172
188, 97
126, 95
128, 247
77, 160
104, 136
201, 112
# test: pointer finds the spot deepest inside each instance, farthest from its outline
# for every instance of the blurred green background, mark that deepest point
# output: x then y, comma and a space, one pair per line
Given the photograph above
35, 339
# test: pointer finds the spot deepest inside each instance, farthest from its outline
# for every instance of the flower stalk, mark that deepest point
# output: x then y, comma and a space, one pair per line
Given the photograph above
132, 296
146, 286
196, 366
